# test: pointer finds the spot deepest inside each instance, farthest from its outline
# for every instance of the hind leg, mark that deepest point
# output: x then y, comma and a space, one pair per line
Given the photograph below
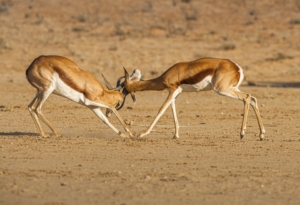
32, 108
35, 111
250, 100
245, 97
42, 97
254, 105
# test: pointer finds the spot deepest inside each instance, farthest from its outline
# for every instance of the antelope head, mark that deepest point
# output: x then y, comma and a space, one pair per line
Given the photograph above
120, 86
134, 77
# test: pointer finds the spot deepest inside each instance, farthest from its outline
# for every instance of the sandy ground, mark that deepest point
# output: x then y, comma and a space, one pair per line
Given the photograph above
208, 164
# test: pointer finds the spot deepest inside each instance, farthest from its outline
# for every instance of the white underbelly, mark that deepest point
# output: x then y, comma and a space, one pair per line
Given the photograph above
62, 89
203, 85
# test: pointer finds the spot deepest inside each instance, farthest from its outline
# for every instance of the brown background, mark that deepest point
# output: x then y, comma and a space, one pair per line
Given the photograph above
209, 164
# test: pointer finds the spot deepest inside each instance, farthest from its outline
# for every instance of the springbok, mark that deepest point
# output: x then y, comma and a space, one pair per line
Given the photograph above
61, 76
221, 75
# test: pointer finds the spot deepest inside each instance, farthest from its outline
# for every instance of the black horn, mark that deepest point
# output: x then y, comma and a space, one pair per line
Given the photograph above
119, 81
108, 85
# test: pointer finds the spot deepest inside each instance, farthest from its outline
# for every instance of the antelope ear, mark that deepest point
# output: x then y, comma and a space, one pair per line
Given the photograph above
133, 97
108, 85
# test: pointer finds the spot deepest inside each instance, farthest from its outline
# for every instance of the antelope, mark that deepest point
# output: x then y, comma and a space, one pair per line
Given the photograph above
61, 76
221, 75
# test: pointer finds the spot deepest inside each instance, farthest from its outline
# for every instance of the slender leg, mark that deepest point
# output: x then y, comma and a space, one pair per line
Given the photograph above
31, 108
169, 100
98, 112
122, 122
245, 97
246, 101
42, 97
95, 107
254, 105
176, 136
35, 111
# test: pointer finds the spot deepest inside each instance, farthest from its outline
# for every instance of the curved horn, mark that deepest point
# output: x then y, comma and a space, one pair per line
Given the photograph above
125, 93
126, 81
126, 75
108, 85
119, 84
119, 81
118, 108
118, 88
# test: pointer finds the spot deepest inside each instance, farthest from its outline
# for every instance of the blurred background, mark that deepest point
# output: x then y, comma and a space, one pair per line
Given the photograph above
103, 36
209, 164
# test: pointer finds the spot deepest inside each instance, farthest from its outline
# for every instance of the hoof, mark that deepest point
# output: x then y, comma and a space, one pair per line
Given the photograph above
242, 136
141, 135
124, 135
58, 134
175, 137
130, 133
262, 136
45, 135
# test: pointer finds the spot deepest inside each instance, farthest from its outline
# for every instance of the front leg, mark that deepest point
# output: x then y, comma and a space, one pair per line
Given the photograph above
98, 112
176, 136
122, 122
169, 100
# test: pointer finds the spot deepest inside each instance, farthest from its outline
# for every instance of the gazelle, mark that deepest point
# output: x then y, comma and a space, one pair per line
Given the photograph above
61, 76
221, 75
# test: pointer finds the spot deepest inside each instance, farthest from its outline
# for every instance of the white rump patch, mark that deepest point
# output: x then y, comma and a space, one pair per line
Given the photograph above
241, 74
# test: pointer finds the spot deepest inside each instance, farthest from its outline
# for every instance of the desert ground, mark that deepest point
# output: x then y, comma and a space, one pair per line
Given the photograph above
209, 163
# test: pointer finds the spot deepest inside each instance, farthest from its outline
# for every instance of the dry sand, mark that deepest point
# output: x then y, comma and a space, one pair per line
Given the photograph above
208, 164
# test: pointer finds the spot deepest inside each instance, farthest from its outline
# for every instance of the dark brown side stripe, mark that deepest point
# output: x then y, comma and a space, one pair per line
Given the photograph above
198, 77
65, 78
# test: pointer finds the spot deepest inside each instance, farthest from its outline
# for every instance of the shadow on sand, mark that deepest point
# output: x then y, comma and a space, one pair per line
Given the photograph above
274, 84
19, 134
